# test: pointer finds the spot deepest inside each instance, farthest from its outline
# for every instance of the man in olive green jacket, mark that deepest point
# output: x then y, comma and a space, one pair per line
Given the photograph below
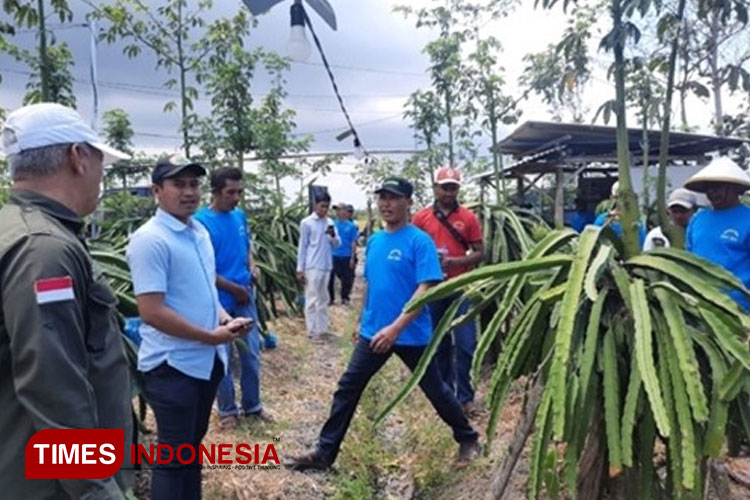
62, 363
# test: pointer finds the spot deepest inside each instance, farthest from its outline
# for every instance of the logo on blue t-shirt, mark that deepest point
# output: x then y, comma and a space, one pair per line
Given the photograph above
730, 235
396, 263
723, 237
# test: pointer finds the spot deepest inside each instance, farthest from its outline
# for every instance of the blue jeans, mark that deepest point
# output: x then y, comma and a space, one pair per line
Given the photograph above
456, 351
363, 364
182, 407
249, 367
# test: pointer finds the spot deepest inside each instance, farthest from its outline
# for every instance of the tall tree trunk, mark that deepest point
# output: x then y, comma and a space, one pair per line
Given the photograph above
279, 195
430, 164
496, 164
675, 234
683, 111
645, 161
684, 54
43, 58
559, 198
713, 62
627, 201
449, 123
183, 96
592, 466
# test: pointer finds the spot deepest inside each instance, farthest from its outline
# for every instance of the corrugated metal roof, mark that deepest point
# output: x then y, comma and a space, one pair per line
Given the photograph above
545, 146
596, 140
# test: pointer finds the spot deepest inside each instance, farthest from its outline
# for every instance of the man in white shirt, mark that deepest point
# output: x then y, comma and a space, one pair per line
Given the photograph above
318, 238
681, 206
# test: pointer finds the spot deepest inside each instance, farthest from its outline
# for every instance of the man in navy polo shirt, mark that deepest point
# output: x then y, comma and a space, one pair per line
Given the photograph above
230, 238
401, 263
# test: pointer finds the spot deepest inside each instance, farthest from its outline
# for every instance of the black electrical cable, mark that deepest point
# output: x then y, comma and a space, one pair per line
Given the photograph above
357, 140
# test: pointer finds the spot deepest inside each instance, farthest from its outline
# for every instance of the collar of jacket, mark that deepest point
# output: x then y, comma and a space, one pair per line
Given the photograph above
27, 198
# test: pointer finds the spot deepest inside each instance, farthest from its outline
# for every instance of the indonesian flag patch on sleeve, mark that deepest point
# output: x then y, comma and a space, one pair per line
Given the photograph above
54, 289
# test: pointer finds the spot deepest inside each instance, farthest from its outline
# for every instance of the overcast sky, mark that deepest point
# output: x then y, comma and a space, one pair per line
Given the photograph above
377, 58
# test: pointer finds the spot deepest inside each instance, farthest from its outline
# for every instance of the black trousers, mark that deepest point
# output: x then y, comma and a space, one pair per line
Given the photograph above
182, 407
345, 273
365, 363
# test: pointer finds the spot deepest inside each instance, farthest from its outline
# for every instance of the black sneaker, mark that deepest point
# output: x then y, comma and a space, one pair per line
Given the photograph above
467, 452
312, 460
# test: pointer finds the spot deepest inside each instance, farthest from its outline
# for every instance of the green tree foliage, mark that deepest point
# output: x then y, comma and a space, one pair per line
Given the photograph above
645, 91
227, 73
59, 80
5, 182
425, 113
50, 80
452, 19
493, 106
559, 74
714, 52
118, 133
466, 98
273, 130
166, 31
448, 79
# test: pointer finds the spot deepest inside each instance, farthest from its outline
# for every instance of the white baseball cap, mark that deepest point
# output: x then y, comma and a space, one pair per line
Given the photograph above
682, 197
47, 124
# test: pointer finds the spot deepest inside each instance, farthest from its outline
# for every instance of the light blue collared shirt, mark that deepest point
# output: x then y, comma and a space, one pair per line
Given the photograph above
176, 259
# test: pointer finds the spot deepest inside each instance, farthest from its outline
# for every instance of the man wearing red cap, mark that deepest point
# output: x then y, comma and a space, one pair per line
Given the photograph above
458, 237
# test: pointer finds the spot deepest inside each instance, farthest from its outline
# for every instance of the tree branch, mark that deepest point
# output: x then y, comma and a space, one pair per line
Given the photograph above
523, 429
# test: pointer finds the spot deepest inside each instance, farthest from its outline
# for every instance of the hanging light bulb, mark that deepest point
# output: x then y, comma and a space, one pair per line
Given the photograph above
298, 48
359, 151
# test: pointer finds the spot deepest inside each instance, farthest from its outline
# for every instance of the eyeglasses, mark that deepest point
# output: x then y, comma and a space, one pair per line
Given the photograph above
449, 187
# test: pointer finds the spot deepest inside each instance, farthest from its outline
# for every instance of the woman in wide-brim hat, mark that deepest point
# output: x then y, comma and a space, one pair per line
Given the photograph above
721, 233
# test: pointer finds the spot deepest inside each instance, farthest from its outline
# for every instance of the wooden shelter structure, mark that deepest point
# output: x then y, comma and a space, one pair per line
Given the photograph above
588, 153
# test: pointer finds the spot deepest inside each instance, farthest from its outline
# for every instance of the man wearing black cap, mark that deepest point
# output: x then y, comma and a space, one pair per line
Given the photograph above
401, 263
184, 326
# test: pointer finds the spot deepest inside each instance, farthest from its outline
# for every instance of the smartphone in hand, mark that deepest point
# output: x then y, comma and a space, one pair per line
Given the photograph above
238, 324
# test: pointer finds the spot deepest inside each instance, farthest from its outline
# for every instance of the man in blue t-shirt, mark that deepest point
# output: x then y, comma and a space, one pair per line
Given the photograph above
401, 263
344, 256
230, 237
721, 234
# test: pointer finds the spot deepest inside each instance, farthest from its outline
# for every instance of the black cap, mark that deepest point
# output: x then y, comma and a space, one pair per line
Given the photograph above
350, 208
165, 168
397, 186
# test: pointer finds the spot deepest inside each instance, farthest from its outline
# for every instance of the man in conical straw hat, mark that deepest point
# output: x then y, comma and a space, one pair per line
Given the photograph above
721, 233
